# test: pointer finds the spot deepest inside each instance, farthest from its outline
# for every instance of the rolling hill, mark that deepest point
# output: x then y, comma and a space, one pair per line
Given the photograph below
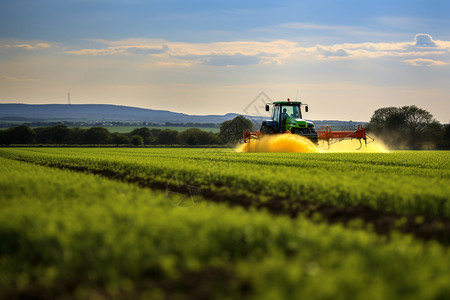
99, 112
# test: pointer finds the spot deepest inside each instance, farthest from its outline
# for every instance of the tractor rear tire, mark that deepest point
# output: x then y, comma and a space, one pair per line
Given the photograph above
266, 129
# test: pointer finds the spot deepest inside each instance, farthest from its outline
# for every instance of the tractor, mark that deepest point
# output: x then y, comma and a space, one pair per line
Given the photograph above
287, 118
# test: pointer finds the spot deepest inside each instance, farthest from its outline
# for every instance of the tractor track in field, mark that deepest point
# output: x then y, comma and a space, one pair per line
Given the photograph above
381, 222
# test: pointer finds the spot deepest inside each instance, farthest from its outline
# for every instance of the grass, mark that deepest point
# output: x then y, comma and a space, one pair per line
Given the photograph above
79, 236
409, 183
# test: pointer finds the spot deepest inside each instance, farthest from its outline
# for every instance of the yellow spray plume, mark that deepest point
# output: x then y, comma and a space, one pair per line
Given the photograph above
297, 143
280, 143
376, 146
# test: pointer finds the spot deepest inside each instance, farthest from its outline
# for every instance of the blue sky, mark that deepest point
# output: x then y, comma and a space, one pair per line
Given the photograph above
345, 58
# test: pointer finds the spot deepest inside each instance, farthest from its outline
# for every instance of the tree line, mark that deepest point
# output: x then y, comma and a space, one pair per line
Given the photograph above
63, 135
60, 134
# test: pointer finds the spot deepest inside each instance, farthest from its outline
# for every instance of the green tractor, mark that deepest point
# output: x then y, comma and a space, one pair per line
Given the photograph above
287, 118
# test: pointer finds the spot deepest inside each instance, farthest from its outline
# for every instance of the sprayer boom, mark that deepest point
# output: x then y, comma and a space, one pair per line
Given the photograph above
331, 137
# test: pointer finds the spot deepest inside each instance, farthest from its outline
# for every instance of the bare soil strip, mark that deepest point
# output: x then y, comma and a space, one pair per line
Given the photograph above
359, 216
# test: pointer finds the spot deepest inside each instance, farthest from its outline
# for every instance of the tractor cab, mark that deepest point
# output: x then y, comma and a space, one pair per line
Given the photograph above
287, 117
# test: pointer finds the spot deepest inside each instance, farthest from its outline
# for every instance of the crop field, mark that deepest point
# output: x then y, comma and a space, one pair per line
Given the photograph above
142, 223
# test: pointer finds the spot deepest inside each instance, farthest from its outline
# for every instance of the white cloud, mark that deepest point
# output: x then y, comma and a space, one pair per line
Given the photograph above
333, 53
225, 60
424, 40
423, 45
422, 62
148, 50
214, 54
253, 52
27, 46
123, 50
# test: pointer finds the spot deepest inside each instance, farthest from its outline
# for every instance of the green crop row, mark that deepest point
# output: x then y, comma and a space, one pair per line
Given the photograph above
71, 235
414, 183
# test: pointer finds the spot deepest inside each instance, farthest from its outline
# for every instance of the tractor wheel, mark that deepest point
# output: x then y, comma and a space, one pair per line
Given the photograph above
266, 129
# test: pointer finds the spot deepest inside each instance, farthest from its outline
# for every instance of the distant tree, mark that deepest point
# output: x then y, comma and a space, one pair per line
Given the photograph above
40, 135
195, 136
145, 133
418, 123
167, 137
444, 143
432, 135
407, 126
3, 137
137, 140
386, 117
155, 132
21, 134
78, 136
58, 134
231, 131
97, 135
120, 139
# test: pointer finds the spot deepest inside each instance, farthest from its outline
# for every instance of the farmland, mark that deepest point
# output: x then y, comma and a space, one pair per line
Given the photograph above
214, 223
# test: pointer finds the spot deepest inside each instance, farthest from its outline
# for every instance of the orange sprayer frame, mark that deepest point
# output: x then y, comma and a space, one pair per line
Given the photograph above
330, 136
248, 135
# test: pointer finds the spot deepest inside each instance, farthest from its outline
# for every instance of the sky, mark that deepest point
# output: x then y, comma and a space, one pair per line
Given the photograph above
345, 59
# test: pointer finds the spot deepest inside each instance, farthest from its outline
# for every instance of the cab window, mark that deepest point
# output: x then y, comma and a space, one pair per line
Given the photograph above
291, 111
276, 113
